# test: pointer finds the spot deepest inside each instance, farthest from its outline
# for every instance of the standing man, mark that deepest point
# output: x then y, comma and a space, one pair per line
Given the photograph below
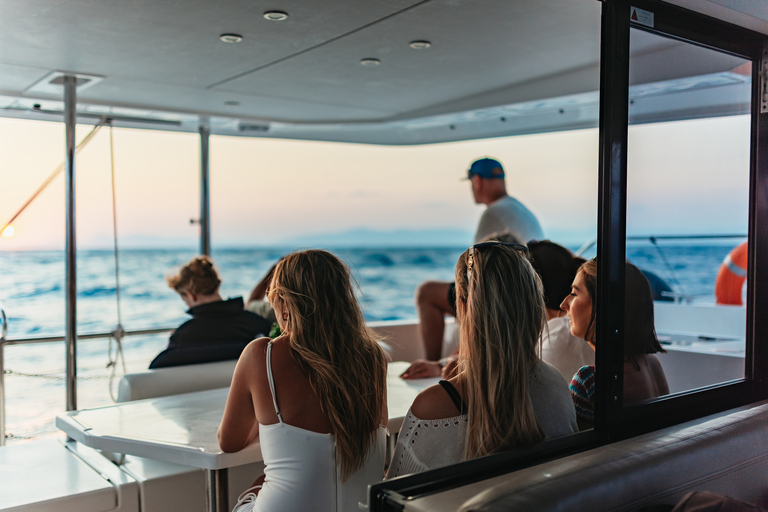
504, 216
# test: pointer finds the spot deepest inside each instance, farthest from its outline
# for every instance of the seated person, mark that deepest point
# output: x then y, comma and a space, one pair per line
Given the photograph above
557, 268
257, 302
315, 396
435, 300
643, 375
500, 326
219, 329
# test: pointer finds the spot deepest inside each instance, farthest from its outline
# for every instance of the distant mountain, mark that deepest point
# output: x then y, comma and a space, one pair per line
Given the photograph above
362, 237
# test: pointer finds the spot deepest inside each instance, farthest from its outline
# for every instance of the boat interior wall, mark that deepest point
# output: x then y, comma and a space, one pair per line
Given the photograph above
164, 486
708, 322
404, 343
51, 476
727, 454
686, 370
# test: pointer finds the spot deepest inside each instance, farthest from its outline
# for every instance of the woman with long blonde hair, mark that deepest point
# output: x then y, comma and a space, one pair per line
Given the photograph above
504, 396
315, 396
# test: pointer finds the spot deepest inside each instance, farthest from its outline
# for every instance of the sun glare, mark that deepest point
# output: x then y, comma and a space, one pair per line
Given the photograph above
8, 231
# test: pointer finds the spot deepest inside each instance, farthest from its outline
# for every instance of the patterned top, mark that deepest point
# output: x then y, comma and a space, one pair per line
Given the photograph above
583, 395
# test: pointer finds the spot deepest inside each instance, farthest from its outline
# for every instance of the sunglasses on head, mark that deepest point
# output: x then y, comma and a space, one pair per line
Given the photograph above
471, 257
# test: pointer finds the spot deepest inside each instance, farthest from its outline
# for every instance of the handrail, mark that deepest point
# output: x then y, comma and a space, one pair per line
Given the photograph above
651, 238
50, 339
91, 336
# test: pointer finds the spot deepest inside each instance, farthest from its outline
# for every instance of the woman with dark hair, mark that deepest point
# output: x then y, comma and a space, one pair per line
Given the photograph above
557, 268
503, 396
315, 396
643, 375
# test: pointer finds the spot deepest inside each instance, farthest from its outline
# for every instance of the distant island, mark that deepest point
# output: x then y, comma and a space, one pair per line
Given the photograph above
363, 237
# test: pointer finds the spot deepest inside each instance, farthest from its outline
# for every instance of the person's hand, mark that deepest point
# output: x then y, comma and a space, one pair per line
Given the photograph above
422, 369
451, 367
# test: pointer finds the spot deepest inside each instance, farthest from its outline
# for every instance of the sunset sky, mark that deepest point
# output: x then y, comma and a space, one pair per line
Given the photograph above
685, 177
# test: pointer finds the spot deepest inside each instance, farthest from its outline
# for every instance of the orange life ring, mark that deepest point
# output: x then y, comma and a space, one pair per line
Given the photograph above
731, 276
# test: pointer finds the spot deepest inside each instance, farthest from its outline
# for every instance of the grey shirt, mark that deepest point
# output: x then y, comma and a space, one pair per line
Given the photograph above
509, 215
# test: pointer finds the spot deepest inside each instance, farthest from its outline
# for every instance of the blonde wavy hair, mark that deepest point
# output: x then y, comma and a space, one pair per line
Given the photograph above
501, 313
333, 346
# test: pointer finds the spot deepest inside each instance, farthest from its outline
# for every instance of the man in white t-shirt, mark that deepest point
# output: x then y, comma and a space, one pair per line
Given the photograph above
435, 299
504, 214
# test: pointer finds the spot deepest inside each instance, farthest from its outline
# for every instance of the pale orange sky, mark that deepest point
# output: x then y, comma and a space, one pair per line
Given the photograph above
684, 177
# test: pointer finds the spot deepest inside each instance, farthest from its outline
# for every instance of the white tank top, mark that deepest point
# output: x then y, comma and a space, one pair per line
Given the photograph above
301, 471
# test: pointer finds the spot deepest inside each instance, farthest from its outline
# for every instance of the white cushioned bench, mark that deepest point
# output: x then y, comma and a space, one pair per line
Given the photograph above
726, 454
175, 380
54, 476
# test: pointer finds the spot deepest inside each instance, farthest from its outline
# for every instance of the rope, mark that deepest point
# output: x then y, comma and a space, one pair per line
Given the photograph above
669, 267
56, 171
119, 332
51, 376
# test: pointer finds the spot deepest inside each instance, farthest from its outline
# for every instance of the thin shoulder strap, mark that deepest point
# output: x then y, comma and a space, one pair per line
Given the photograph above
272, 381
455, 396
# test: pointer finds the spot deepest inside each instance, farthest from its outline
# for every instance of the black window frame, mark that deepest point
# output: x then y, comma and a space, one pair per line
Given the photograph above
614, 421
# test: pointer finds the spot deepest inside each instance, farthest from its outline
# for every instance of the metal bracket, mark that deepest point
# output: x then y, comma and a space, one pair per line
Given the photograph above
764, 80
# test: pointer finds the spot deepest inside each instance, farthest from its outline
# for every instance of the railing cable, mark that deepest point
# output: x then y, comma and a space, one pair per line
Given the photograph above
119, 332
53, 175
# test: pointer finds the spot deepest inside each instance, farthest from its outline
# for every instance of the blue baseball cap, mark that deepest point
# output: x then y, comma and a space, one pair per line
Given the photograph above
486, 168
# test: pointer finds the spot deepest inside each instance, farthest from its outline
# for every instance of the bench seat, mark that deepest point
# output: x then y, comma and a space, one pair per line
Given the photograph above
54, 476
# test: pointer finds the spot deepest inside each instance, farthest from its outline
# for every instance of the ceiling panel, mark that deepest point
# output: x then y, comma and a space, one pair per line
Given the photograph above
172, 41
172, 98
478, 45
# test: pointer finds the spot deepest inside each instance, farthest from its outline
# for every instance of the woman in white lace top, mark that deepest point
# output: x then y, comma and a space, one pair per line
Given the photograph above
504, 396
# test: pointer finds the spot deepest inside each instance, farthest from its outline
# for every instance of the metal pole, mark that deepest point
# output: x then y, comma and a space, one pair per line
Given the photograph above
205, 207
217, 490
2, 392
70, 325
3, 336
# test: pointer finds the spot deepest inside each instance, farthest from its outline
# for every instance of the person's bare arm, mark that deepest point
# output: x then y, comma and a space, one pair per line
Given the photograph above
238, 426
260, 289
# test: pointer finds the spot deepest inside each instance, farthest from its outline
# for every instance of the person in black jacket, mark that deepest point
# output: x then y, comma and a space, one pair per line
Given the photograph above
219, 329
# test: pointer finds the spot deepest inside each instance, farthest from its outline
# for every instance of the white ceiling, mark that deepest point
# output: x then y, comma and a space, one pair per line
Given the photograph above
302, 77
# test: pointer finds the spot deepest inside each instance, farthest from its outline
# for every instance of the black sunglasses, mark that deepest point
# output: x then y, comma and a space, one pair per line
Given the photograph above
471, 257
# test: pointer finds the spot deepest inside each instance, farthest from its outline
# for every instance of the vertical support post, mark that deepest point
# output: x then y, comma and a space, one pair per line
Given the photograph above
3, 334
217, 490
611, 215
70, 325
2, 391
205, 219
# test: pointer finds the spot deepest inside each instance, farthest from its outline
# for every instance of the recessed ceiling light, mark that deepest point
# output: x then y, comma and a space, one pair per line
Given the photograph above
231, 38
275, 15
232, 103
420, 45
370, 62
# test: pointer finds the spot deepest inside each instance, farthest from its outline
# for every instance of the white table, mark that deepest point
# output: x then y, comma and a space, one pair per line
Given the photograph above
182, 429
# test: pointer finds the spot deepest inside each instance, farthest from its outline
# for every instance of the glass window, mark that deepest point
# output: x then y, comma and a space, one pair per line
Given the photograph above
687, 216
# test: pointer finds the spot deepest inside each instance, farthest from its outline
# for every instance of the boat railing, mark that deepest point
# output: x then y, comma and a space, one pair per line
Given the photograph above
4, 341
653, 239
679, 294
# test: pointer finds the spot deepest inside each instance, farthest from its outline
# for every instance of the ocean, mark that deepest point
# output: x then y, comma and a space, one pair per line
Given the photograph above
32, 295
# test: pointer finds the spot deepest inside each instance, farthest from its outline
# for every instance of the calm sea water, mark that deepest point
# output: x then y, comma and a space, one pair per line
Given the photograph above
32, 293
